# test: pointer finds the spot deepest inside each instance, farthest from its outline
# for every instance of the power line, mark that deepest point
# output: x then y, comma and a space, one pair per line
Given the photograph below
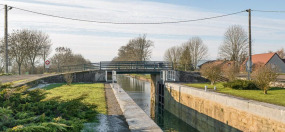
268, 11
109, 22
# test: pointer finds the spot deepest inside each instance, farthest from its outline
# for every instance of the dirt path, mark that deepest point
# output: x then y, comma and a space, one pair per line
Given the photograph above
116, 119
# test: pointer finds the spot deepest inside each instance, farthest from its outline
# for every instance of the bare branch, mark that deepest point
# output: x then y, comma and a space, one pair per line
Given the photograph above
235, 45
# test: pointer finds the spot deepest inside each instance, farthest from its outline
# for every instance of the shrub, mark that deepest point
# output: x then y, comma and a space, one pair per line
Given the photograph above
211, 71
265, 75
26, 110
68, 78
241, 85
230, 71
5, 85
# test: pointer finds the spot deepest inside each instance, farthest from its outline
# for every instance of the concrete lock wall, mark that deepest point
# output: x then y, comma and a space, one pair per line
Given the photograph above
85, 76
211, 111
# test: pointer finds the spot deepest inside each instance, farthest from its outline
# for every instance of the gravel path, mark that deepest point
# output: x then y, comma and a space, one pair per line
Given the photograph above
115, 119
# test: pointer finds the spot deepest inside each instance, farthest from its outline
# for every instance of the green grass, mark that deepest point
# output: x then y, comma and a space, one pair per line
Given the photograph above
202, 85
273, 96
14, 82
19, 81
4, 74
95, 91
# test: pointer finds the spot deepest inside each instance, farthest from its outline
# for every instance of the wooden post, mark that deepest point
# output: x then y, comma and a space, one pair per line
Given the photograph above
6, 38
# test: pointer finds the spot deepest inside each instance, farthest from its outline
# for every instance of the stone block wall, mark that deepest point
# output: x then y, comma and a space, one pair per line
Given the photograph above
211, 111
85, 76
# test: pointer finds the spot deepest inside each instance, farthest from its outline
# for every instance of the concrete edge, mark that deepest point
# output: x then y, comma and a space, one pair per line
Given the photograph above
136, 118
32, 80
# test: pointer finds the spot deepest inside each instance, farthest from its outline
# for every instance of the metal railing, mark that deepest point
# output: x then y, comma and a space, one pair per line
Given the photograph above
81, 67
120, 65
128, 65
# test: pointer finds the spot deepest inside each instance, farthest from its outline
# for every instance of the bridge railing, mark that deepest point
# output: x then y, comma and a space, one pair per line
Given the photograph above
81, 67
120, 65
128, 65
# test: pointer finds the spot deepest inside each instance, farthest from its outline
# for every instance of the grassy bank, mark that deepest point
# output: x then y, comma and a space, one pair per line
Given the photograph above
274, 95
95, 93
57, 108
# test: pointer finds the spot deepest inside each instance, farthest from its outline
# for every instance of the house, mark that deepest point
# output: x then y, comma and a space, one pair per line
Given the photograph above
272, 59
222, 63
202, 62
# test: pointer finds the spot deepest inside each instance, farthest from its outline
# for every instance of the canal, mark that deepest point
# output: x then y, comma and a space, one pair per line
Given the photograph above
139, 91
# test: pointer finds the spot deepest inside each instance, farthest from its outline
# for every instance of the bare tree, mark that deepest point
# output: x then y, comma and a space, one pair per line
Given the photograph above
142, 48
36, 43
2, 62
138, 49
280, 52
211, 72
185, 58
2, 55
45, 52
235, 44
264, 76
173, 55
78, 59
198, 50
18, 41
127, 53
61, 57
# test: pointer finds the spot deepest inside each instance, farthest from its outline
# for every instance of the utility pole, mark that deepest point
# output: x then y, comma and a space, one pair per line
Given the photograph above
249, 42
6, 38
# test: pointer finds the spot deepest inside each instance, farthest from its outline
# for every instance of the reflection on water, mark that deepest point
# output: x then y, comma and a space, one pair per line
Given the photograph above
139, 91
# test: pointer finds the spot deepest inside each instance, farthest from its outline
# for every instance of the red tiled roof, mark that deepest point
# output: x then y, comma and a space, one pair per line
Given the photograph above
261, 58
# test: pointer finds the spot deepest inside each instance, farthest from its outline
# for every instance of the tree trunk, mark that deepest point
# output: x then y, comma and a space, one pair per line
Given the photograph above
58, 68
265, 91
33, 67
19, 70
212, 82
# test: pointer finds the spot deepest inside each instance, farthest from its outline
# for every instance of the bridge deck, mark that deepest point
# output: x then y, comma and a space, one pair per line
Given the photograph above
136, 71
122, 67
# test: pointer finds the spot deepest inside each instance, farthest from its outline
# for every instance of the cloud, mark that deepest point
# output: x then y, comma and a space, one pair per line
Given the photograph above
99, 42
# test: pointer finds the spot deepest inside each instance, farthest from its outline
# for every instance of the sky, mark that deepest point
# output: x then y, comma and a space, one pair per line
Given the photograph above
100, 42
